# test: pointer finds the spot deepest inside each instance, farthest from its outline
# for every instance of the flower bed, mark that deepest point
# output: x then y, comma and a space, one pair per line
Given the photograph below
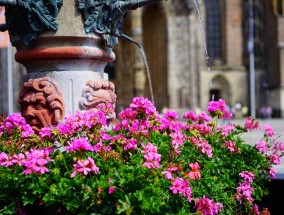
143, 163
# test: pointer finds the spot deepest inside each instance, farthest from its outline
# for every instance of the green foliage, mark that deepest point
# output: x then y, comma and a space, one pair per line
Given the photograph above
123, 184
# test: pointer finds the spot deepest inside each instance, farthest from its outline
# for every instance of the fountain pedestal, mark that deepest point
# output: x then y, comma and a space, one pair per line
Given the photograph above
65, 46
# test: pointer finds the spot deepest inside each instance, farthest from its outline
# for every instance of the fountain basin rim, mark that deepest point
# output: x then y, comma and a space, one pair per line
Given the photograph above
63, 52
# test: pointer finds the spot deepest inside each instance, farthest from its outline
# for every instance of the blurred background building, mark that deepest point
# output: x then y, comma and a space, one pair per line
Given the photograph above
182, 77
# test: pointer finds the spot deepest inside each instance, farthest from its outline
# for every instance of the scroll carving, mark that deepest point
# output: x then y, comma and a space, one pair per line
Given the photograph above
106, 17
41, 103
98, 92
28, 18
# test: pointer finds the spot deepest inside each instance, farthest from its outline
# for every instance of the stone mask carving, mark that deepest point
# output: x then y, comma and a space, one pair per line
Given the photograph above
98, 92
41, 103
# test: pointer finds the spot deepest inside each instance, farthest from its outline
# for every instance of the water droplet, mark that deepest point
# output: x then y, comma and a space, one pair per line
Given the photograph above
207, 57
209, 69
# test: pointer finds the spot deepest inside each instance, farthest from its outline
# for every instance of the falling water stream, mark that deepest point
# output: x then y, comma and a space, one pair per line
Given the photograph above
145, 58
145, 62
204, 41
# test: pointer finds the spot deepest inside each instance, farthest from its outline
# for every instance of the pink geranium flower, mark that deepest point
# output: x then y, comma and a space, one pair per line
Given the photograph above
269, 130
45, 132
247, 176
231, 146
85, 167
251, 124
219, 108
261, 146
181, 186
272, 172
168, 172
79, 144
244, 192
207, 206
191, 116
171, 115
195, 173
274, 159
111, 190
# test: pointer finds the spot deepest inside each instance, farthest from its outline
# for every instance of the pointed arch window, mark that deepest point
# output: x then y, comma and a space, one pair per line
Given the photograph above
214, 30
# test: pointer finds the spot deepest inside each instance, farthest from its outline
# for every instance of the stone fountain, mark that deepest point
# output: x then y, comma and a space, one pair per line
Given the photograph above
65, 46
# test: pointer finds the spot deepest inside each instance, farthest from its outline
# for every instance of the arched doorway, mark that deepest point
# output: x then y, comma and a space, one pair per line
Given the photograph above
219, 89
155, 44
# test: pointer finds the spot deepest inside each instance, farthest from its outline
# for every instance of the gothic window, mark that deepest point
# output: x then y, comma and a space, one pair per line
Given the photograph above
278, 7
213, 30
258, 29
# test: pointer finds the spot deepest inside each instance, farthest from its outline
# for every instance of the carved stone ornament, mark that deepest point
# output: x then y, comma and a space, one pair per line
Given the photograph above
28, 18
98, 92
106, 17
181, 7
41, 103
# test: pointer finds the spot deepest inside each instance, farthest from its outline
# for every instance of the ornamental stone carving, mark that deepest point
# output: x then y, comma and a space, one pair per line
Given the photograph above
41, 103
98, 92
28, 18
106, 17
181, 7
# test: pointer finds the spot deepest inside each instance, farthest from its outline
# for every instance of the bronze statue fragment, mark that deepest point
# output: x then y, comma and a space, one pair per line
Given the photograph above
28, 18
106, 17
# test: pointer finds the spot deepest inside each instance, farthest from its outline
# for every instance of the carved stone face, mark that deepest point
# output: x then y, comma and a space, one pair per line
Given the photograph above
41, 103
98, 92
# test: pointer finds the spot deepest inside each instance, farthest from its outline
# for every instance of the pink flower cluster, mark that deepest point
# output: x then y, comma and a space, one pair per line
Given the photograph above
269, 130
202, 145
244, 190
81, 121
181, 186
207, 206
34, 161
273, 150
143, 105
201, 128
231, 146
174, 129
226, 130
168, 172
193, 117
261, 146
251, 124
272, 172
128, 144
79, 144
151, 156
139, 118
219, 108
84, 167
111, 189
195, 171
14, 121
